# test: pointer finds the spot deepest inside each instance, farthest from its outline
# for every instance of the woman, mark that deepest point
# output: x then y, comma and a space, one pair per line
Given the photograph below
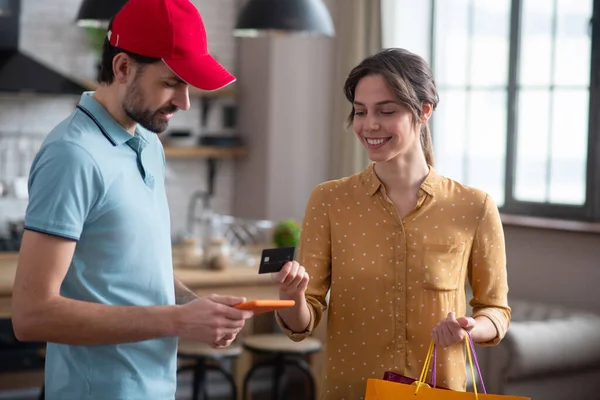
395, 245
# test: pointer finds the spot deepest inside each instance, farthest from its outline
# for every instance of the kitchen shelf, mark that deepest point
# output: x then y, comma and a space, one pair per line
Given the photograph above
205, 152
211, 154
227, 91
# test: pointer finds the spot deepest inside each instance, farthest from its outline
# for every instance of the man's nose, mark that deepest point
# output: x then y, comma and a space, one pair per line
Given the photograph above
182, 98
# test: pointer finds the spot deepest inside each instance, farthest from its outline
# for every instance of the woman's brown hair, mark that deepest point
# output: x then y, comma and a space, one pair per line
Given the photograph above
411, 80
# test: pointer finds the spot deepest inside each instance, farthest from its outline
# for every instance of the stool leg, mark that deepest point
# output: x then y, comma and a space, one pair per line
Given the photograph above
189, 368
283, 385
249, 374
277, 375
199, 381
305, 368
227, 376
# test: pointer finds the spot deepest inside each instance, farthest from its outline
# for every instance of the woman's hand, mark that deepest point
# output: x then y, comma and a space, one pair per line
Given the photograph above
452, 330
293, 280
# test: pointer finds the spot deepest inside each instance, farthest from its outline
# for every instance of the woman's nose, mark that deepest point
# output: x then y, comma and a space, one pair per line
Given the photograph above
372, 124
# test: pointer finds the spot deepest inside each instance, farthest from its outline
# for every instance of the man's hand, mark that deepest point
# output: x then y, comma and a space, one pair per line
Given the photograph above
212, 320
452, 330
293, 280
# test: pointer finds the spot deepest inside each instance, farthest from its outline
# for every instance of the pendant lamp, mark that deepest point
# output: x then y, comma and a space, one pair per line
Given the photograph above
98, 13
304, 17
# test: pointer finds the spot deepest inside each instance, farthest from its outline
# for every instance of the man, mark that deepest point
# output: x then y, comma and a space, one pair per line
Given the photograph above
95, 277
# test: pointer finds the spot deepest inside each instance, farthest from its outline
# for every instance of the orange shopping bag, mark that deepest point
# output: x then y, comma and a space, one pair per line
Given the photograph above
378, 389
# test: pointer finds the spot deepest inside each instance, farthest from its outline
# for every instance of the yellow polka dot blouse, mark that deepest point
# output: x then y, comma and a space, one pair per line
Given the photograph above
391, 280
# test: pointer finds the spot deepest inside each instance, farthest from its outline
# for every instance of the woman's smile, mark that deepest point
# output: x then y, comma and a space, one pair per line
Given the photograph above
376, 143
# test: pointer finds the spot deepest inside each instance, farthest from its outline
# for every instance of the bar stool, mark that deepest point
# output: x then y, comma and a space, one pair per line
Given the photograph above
283, 352
206, 358
42, 354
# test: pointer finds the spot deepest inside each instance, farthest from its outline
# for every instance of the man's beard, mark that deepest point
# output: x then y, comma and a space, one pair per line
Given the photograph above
134, 109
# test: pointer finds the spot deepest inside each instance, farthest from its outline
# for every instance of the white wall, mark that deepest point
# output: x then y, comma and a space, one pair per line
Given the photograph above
554, 266
285, 113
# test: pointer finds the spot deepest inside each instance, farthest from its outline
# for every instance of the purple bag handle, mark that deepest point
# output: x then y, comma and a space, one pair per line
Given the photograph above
433, 369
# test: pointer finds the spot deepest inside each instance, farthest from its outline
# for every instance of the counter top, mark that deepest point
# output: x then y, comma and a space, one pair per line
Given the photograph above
235, 275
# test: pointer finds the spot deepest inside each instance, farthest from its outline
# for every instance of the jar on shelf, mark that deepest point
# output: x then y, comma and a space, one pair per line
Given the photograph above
191, 253
217, 256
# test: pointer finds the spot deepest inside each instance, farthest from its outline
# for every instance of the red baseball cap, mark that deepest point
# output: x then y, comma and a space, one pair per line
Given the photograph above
173, 31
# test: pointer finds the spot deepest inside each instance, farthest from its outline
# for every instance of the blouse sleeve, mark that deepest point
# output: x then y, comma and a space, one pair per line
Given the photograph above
487, 272
314, 253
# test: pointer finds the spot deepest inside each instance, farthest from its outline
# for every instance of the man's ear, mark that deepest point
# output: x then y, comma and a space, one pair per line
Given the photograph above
123, 67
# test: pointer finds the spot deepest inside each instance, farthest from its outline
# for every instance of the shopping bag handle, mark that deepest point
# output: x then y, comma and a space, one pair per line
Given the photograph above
431, 358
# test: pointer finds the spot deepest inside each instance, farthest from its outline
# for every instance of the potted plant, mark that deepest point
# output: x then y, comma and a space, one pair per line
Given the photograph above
286, 233
96, 37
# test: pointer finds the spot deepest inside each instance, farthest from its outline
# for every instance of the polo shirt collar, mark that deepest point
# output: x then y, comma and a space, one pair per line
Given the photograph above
111, 129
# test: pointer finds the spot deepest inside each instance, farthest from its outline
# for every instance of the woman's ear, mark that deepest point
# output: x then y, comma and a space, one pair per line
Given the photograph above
426, 110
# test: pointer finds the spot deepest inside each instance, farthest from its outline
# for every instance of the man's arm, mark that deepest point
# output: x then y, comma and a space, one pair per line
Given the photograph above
183, 294
40, 313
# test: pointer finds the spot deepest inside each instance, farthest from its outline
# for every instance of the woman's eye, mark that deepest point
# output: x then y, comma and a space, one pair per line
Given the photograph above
359, 112
388, 112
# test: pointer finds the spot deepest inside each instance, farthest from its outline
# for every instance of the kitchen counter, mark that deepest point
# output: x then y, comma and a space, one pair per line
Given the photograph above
8, 267
235, 275
240, 280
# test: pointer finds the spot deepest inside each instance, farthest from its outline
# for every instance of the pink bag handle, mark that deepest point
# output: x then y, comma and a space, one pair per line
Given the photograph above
472, 346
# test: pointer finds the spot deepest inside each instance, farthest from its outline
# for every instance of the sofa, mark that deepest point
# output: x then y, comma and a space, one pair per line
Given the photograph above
549, 353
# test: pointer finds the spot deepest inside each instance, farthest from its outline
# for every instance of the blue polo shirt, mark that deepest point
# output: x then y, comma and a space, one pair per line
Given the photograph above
95, 183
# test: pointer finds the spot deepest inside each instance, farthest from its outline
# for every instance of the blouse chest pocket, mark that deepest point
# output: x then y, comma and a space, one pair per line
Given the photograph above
442, 265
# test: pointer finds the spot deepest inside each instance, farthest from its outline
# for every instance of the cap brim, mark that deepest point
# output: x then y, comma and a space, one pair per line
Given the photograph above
203, 72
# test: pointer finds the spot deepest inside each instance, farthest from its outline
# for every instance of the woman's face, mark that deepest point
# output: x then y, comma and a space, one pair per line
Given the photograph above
383, 125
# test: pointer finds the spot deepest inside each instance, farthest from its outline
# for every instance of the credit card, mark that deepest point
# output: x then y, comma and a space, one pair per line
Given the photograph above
272, 260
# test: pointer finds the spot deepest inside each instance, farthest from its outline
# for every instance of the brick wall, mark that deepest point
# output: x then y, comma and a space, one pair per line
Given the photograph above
49, 34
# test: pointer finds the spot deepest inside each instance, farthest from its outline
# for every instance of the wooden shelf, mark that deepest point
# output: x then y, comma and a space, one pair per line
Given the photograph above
227, 91
205, 152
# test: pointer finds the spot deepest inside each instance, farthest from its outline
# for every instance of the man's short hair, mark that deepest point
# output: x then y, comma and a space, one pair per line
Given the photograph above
107, 75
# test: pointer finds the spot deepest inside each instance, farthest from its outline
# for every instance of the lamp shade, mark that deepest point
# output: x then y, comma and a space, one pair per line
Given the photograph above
259, 17
98, 13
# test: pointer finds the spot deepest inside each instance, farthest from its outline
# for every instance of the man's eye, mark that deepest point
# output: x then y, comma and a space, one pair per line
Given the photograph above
170, 85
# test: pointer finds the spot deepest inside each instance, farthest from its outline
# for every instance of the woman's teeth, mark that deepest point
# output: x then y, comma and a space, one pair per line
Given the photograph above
375, 141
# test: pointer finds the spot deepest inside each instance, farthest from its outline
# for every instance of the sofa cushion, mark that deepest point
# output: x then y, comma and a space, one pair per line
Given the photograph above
540, 346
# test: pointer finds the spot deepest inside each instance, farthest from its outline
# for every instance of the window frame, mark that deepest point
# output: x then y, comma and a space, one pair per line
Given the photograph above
590, 210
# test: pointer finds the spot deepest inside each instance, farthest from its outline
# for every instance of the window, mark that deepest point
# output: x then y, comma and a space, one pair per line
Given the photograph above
518, 100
